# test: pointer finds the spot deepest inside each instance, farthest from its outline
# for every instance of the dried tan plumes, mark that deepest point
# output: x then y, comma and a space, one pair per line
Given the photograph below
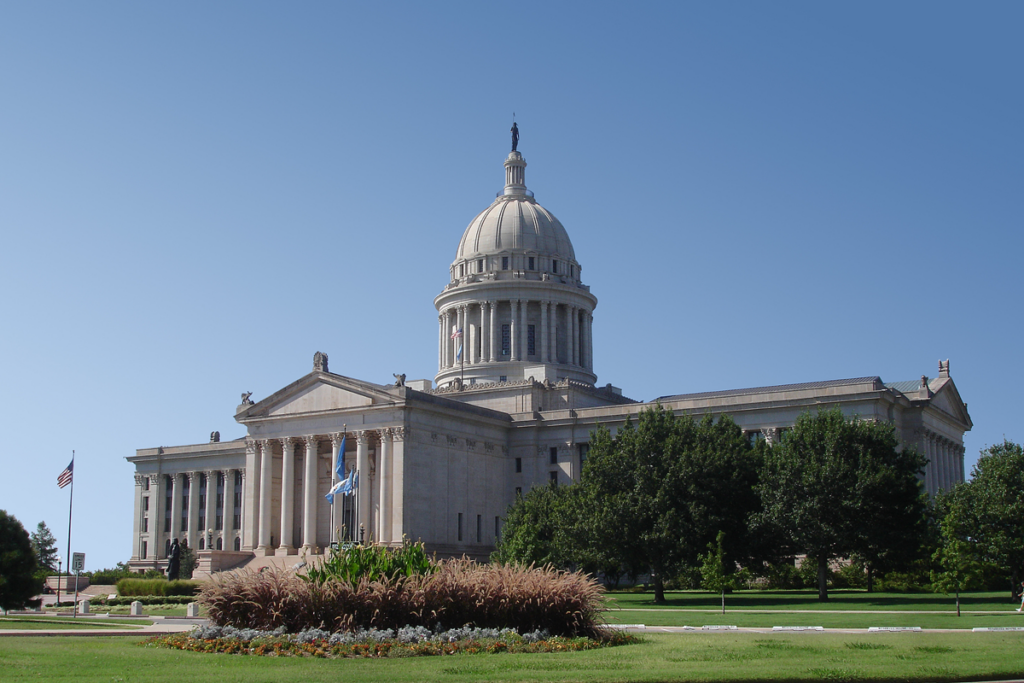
459, 593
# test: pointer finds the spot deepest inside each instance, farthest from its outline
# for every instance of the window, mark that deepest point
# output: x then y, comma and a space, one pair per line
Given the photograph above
167, 547
238, 544
531, 263
145, 550
553, 453
479, 528
168, 502
184, 503
531, 341
755, 436
554, 266
497, 529
219, 523
504, 262
145, 503
572, 271
462, 269
519, 465
145, 524
145, 484
783, 433
202, 542
480, 265
237, 520
460, 526
506, 339
503, 378
553, 475
204, 491
220, 544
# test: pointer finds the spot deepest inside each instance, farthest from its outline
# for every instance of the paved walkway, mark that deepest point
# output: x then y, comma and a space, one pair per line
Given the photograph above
161, 626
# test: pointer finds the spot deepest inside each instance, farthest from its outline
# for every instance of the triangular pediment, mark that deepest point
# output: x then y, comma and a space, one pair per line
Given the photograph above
319, 392
947, 400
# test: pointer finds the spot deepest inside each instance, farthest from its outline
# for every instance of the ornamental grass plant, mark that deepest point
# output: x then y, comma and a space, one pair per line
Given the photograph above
455, 593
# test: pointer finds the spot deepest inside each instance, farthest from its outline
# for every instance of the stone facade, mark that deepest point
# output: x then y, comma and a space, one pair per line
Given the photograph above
441, 461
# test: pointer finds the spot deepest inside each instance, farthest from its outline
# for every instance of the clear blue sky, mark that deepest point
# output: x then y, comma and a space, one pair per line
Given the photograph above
194, 198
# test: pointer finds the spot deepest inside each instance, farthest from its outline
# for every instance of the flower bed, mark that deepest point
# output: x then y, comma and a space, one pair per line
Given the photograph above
410, 641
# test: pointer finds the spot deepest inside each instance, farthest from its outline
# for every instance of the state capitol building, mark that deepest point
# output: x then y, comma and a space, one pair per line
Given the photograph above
511, 407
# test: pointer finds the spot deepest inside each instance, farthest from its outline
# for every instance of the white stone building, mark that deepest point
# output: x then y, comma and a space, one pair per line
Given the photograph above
441, 461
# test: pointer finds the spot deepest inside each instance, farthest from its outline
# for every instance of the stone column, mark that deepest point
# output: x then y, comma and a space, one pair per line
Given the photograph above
543, 351
524, 353
309, 497
929, 449
552, 350
137, 524
336, 440
588, 346
228, 529
286, 547
156, 514
960, 451
364, 494
176, 491
384, 482
440, 343
398, 437
193, 508
265, 494
513, 323
211, 507
574, 338
483, 337
492, 335
250, 496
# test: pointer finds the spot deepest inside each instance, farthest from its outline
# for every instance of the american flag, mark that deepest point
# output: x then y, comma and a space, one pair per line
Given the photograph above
64, 478
456, 332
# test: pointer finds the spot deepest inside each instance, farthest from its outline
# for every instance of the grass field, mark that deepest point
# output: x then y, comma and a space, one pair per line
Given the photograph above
155, 610
661, 658
845, 609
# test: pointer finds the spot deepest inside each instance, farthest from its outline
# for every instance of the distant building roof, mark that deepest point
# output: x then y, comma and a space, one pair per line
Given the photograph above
773, 389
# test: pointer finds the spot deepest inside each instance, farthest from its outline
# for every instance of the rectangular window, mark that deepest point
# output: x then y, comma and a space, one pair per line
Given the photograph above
460, 526
783, 433
462, 269
145, 484
145, 524
145, 503
531, 262
519, 465
479, 265
479, 528
553, 475
554, 266
504, 262
755, 436
497, 529
145, 550
531, 341
184, 503
553, 452
168, 501
572, 271
506, 339
503, 378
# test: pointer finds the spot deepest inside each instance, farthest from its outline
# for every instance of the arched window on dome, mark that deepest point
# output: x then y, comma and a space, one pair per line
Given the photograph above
480, 265
462, 270
532, 262
554, 266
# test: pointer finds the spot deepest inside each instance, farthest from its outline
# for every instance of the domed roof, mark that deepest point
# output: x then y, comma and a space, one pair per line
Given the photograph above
515, 222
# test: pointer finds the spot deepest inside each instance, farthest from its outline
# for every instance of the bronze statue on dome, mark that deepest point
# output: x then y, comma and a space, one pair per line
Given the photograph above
515, 136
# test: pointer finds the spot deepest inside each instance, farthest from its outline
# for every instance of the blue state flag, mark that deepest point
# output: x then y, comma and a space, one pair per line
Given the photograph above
339, 467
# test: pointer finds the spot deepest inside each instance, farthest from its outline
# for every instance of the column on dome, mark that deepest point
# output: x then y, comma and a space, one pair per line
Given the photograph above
211, 506
492, 332
309, 491
483, 337
471, 333
384, 485
590, 341
445, 327
514, 329
193, 508
460, 313
574, 358
364, 493
584, 356
285, 547
542, 352
176, 493
524, 349
137, 523
266, 470
156, 513
440, 343
552, 349
250, 496
397, 517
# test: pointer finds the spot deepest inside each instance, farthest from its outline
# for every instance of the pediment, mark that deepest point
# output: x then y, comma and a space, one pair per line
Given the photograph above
947, 400
319, 392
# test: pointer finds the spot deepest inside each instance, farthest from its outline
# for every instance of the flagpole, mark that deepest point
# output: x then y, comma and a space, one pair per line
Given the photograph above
71, 505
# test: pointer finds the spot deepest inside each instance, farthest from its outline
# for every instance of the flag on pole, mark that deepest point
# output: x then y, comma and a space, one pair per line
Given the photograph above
457, 334
345, 486
339, 467
64, 478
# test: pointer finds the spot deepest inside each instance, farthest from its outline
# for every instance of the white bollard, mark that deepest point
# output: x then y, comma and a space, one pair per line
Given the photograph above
192, 610
136, 610
83, 607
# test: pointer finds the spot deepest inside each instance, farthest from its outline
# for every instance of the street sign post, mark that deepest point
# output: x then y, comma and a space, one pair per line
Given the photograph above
77, 565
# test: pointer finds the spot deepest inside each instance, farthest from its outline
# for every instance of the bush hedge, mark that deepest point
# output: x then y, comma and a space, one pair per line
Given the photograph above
457, 593
146, 600
135, 587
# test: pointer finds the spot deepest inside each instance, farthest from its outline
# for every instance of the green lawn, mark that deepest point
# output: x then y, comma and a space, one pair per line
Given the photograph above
845, 600
49, 623
661, 658
155, 610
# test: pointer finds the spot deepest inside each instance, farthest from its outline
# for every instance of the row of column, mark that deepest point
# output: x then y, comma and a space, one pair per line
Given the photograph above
191, 531
946, 463
386, 480
480, 318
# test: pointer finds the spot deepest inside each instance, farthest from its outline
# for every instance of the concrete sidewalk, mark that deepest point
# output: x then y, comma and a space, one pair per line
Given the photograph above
161, 626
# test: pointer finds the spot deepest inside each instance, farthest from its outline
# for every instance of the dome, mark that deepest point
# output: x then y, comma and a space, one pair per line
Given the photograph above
515, 222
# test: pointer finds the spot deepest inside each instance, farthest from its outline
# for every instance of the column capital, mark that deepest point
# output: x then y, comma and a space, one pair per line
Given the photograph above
191, 476
266, 444
493, 304
288, 441
399, 433
336, 438
154, 479
384, 433
312, 440
250, 447
362, 437
139, 479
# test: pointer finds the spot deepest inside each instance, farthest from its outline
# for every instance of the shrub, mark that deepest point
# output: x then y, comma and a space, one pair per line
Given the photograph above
457, 593
132, 587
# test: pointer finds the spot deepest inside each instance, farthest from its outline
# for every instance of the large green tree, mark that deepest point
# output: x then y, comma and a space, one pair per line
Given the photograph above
989, 509
44, 545
837, 487
534, 528
18, 568
664, 488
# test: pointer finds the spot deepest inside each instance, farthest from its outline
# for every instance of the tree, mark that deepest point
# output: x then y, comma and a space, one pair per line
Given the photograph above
44, 545
188, 561
956, 557
991, 508
532, 533
829, 485
664, 488
712, 569
18, 568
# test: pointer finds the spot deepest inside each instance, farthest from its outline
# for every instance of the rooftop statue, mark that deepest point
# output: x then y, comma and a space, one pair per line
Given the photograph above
515, 136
